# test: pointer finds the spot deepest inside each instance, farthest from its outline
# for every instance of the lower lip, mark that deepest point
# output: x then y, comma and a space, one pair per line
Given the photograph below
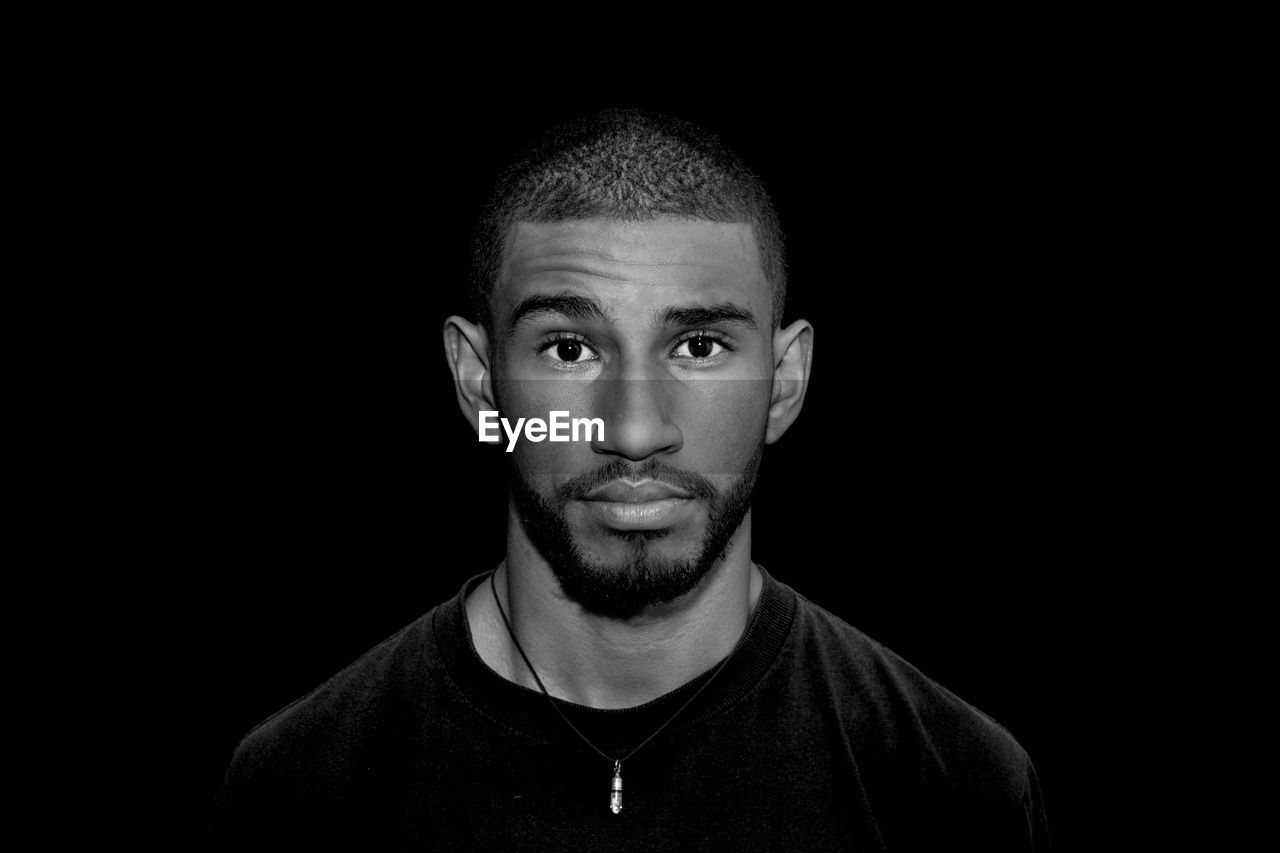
646, 515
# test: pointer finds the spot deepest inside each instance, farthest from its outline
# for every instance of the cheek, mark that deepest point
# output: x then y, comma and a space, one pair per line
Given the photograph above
723, 423
536, 398
547, 462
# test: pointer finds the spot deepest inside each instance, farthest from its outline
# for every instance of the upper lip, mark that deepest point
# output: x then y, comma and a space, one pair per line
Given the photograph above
620, 491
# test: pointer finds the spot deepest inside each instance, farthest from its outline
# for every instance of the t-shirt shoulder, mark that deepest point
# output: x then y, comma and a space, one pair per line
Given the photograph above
356, 699
914, 718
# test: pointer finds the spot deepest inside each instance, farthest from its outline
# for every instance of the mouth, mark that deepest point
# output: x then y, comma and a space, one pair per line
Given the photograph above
645, 491
647, 505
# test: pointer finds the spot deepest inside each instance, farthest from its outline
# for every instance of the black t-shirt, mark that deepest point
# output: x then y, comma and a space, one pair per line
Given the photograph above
813, 737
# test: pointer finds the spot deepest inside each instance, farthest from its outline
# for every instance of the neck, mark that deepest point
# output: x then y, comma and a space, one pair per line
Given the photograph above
606, 662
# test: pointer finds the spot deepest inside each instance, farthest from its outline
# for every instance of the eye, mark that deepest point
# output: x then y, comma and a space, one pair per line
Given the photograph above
700, 346
568, 349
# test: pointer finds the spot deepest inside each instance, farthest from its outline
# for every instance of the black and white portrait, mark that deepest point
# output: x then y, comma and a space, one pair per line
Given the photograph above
633, 474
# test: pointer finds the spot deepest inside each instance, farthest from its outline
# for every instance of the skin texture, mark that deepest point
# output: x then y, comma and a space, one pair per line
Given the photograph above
612, 611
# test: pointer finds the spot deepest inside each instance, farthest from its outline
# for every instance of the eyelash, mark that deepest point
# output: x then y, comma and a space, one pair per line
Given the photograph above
560, 337
714, 337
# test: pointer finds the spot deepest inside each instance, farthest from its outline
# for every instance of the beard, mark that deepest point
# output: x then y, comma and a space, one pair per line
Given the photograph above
643, 577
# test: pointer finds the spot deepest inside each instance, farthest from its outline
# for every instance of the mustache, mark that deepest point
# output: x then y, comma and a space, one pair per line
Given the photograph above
654, 469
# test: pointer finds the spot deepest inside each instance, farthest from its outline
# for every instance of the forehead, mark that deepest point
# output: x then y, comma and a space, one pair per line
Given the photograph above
665, 258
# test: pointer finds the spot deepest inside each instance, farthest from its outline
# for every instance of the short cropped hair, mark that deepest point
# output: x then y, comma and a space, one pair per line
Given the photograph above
629, 165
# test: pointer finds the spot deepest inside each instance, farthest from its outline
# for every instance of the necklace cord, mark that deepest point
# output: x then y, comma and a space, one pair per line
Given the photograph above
616, 761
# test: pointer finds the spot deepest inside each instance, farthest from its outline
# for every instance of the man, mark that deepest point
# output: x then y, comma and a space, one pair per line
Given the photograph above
627, 678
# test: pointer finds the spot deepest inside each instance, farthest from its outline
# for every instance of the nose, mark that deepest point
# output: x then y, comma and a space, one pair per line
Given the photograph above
638, 418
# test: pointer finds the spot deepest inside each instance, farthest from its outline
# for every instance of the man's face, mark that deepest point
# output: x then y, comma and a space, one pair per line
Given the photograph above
662, 329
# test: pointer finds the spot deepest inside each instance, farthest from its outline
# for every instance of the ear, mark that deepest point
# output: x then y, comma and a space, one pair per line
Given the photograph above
792, 356
466, 347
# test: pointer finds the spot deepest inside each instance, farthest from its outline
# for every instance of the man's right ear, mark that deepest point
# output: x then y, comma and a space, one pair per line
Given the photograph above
466, 346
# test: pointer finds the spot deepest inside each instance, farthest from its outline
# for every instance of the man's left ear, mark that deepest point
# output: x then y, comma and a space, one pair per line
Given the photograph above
792, 356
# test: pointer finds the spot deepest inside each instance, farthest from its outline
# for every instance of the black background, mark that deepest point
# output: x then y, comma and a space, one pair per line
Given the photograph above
951, 487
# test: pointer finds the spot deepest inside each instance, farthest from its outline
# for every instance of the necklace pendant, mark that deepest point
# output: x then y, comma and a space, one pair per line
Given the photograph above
615, 792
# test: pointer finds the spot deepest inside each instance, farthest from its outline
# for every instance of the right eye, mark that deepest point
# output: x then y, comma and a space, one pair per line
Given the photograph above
569, 349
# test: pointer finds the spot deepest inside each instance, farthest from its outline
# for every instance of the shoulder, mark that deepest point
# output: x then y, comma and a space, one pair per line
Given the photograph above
340, 717
897, 717
311, 771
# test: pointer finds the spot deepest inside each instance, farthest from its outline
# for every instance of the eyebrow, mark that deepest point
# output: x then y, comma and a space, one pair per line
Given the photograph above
565, 304
577, 307
697, 315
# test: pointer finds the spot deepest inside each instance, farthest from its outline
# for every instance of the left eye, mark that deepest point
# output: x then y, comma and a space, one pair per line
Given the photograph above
698, 346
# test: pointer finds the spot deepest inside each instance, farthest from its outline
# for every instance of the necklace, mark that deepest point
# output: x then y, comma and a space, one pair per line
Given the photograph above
615, 788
